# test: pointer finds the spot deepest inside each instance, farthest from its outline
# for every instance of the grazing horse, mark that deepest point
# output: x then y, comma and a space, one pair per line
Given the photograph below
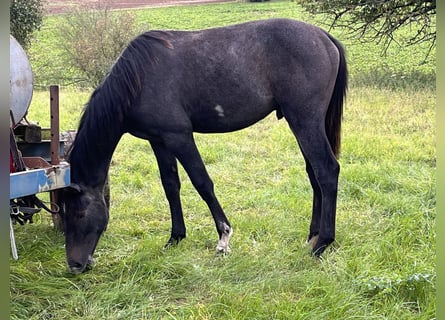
168, 84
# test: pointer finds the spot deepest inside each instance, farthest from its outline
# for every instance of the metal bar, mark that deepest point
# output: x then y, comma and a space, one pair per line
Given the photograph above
55, 130
55, 151
12, 237
30, 182
16, 155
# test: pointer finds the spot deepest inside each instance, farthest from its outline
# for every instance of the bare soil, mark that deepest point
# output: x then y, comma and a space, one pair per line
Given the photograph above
61, 6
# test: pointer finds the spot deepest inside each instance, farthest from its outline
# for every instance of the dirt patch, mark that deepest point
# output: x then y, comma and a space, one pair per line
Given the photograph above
61, 6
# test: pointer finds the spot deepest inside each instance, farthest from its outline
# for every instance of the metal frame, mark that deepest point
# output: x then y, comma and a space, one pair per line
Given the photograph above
25, 183
35, 175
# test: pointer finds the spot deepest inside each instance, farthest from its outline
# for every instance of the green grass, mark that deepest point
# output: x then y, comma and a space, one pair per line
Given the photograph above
400, 67
382, 265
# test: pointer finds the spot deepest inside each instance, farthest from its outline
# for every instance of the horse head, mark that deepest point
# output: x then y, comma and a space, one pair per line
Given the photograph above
85, 219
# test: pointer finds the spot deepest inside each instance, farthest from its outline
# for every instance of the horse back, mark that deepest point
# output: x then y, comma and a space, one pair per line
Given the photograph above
227, 78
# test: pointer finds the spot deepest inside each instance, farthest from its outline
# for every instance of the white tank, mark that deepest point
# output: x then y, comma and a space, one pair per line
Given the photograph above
20, 81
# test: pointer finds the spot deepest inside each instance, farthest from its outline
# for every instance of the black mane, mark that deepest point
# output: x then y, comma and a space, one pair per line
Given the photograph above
103, 116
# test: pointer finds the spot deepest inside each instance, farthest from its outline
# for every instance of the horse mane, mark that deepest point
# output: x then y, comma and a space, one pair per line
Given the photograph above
102, 122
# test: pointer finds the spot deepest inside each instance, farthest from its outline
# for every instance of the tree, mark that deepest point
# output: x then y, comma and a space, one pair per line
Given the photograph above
92, 36
25, 16
380, 20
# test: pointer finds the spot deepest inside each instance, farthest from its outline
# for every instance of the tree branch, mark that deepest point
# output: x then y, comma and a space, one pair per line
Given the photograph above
380, 20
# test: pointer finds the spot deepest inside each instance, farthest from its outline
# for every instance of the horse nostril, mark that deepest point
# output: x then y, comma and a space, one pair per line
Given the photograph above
76, 267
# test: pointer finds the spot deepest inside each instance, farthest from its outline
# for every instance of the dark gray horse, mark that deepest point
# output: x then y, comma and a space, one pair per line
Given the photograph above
168, 84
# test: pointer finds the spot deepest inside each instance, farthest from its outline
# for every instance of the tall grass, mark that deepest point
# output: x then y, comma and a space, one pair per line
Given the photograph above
382, 265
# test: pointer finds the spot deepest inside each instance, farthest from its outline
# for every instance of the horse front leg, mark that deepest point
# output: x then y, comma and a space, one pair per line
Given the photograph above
170, 181
185, 150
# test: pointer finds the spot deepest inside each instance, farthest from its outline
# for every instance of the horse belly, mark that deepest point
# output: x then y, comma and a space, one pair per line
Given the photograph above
227, 101
219, 118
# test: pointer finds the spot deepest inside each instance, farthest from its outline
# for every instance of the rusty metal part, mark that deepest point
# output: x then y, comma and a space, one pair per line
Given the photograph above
35, 162
55, 152
55, 131
15, 153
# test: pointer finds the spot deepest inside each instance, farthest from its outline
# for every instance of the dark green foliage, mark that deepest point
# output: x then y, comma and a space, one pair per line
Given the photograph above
25, 18
380, 20
92, 38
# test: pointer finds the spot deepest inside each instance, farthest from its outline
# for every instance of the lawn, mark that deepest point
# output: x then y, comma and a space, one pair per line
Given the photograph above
382, 265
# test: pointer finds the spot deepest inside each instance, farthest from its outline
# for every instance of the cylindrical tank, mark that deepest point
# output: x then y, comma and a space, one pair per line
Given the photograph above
20, 81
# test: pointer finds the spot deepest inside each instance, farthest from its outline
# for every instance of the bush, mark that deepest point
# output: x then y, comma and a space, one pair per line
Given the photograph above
25, 16
92, 38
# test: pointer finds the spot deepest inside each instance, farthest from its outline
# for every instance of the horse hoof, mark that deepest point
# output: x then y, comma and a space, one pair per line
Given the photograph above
223, 243
319, 250
319, 245
222, 250
173, 241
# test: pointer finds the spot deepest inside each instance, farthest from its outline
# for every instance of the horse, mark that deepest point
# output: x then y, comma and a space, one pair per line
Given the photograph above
168, 84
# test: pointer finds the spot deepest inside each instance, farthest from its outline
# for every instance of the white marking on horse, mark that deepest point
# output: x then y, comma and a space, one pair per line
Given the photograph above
313, 241
223, 243
219, 109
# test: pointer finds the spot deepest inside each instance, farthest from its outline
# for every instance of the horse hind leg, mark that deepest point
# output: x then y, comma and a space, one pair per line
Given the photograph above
323, 170
314, 228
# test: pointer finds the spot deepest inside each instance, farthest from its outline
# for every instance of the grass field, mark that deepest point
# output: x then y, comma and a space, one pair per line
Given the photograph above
382, 265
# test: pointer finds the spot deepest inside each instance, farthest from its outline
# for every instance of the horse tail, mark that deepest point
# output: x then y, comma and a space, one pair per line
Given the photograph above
334, 114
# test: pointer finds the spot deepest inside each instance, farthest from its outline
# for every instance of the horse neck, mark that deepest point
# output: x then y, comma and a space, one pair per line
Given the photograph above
102, 124
91, 155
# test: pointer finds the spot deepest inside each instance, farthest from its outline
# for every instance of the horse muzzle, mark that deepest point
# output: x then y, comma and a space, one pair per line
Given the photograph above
78, 267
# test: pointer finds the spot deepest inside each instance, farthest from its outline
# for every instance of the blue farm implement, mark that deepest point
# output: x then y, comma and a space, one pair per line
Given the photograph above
37, 161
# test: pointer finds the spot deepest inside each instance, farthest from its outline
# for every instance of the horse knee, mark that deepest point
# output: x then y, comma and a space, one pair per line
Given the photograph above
205, 189
171, 188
